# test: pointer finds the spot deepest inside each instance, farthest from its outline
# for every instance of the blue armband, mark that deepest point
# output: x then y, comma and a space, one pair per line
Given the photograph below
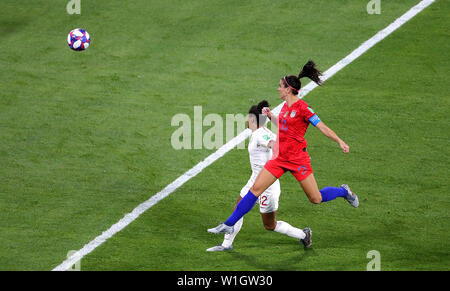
314, 119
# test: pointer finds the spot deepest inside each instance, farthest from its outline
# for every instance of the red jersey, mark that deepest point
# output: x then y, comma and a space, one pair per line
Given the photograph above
292, 124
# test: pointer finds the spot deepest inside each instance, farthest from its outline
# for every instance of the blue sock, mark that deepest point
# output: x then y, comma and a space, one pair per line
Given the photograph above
244, 206
331, 193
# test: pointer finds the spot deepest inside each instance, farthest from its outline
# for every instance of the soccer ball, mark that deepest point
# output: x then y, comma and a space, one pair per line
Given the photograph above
78, 39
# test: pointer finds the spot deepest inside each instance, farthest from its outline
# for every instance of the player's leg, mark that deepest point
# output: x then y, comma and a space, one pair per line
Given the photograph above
270, 223
268, 206
227, 243
309, 186
267, 176
229, 237
262, 182
228, 240
269, 220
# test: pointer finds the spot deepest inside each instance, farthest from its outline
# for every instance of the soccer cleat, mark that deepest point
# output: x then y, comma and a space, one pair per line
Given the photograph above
351, 197
219, 248
221, 228
307, 240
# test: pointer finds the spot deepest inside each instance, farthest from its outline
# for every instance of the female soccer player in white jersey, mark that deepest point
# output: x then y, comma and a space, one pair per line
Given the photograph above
260, 151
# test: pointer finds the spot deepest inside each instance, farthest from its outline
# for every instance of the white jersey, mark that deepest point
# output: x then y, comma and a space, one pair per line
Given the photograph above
257, 148
260, 154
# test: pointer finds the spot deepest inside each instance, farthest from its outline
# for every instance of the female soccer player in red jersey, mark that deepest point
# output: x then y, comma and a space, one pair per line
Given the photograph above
290, 152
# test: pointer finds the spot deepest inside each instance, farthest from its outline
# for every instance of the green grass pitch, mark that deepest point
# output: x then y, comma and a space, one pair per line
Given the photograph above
85, 137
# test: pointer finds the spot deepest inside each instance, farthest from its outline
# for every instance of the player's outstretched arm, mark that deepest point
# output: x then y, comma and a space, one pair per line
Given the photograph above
325, 130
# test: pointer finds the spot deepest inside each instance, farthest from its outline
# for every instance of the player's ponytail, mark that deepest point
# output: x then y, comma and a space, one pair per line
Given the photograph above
309, 70
261, 105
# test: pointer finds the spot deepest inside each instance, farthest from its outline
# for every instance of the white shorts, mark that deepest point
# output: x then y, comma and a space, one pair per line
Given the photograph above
268, 200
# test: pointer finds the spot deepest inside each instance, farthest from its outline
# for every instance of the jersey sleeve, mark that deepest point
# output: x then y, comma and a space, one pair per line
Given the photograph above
310, 116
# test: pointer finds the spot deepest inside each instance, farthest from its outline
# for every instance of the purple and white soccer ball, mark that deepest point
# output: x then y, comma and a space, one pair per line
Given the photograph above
78, 39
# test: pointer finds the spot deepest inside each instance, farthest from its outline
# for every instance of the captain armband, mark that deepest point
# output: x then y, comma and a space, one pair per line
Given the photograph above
314, 120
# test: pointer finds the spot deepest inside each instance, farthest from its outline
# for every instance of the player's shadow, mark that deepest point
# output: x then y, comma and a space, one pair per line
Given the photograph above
287, 264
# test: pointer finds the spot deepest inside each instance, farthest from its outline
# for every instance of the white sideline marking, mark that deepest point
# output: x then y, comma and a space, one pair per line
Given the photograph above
130, 217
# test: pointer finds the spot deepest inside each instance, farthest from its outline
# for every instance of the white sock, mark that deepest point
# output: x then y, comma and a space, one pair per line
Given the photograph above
289, 230
229, 238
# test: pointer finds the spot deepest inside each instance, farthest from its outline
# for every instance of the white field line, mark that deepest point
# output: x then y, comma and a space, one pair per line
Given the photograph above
130, 217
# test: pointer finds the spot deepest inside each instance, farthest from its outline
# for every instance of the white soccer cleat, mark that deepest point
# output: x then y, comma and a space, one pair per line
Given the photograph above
351, 197
219, 248
221, 228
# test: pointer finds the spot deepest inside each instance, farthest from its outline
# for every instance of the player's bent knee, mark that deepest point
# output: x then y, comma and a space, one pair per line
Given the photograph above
315, 199
270, 227
256, 191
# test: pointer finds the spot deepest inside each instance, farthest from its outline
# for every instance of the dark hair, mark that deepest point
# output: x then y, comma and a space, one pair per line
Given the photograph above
309, 70
256, 111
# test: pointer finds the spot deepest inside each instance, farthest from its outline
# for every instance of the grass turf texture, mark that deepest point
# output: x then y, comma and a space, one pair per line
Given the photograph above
85, 137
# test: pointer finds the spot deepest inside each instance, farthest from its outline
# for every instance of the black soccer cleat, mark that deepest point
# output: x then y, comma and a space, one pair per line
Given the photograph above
307, 240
